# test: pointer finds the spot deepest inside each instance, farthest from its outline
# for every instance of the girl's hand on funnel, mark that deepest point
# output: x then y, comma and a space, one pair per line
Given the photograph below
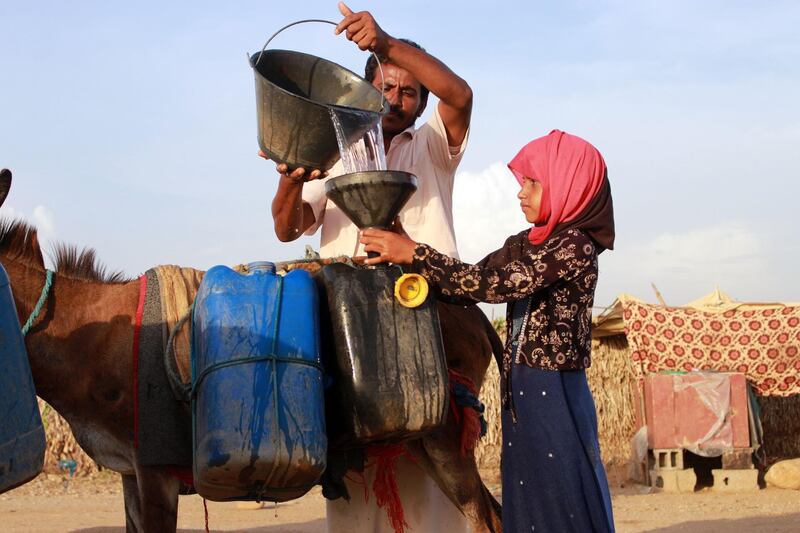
398, 228
394, 248
362, 29
298, 175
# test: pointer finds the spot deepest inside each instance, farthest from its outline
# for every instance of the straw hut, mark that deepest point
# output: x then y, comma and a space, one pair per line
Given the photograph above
761, 340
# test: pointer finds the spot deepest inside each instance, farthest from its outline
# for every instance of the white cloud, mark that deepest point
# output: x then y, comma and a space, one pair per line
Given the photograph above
44, 220
730, 248
684, 266
485, 210
10, 212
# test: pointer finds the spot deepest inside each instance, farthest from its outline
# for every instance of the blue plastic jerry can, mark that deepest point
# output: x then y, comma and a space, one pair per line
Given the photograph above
257, 385
22, 441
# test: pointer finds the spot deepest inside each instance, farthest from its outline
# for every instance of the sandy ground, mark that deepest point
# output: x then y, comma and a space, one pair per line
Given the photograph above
95, 505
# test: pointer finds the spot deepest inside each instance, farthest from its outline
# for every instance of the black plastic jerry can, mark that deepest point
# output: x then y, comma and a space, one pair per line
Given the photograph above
387, 362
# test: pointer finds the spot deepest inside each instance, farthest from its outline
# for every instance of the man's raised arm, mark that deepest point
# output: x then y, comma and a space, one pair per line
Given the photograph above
455, 95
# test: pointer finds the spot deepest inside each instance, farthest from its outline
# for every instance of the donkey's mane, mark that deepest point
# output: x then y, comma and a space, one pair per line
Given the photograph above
19, 241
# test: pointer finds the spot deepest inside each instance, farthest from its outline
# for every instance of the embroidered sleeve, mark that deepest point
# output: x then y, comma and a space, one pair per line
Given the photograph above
562, 258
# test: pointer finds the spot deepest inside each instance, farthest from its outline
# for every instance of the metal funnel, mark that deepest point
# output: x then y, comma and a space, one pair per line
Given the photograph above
371, 199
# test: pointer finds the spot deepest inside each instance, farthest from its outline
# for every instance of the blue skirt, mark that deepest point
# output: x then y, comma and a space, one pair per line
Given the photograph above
553, 476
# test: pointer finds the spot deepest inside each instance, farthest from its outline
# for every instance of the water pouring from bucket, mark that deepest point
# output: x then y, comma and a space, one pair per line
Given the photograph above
360, 155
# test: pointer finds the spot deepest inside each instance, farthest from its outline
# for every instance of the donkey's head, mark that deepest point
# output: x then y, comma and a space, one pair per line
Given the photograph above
5, 184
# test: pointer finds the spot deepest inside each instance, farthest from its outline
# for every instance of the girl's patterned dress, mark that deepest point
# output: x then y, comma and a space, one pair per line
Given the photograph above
553, 476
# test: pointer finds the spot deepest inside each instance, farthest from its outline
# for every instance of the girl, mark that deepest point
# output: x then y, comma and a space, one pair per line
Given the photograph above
553, 476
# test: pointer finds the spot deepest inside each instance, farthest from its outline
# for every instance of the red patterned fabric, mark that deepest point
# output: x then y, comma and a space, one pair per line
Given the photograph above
764, 344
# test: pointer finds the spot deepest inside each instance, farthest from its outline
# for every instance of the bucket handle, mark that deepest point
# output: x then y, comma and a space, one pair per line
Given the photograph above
380, 68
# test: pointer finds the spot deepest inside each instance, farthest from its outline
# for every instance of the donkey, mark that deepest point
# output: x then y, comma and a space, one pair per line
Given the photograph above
80, 348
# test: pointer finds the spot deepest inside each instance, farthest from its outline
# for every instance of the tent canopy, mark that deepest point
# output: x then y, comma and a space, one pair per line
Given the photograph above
761, 340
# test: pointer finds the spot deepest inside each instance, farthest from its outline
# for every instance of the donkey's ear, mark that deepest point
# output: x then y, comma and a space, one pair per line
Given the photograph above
5, 184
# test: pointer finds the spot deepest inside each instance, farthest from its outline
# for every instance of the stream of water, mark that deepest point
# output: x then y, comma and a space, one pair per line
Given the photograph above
365, 153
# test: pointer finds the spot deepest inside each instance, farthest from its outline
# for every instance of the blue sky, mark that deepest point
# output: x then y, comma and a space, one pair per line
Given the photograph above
130, 127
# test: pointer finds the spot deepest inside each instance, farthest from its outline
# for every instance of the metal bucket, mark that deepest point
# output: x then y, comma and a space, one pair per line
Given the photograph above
294, 95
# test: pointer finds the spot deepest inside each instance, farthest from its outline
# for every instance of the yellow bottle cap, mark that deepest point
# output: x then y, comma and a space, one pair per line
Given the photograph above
411, 290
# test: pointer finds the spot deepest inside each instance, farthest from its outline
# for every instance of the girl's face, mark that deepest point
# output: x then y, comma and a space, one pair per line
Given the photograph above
530, 199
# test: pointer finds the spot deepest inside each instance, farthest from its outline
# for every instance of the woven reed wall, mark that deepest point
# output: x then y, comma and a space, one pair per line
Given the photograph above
487, 454
61, 445
780, 418
611, 379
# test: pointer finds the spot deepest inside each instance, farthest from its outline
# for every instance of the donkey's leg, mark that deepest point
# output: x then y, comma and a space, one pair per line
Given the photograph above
439, 454
470, 343
158, 498
133, 511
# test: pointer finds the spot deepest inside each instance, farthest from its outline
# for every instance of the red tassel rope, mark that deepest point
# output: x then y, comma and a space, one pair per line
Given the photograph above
205, 511
468, 417
385, 485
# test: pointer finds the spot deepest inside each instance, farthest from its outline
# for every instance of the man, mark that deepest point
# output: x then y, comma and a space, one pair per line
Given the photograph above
432, 153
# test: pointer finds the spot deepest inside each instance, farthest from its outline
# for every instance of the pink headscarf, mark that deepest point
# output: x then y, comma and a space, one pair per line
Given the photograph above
575, 190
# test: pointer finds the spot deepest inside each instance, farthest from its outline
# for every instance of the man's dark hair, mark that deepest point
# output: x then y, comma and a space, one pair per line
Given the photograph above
371, 70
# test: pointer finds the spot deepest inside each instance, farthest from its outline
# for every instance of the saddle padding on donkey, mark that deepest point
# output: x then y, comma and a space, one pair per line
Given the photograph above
163, 420
178, 287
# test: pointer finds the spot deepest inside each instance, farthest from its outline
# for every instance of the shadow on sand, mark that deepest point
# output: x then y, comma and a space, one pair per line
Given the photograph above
787, 523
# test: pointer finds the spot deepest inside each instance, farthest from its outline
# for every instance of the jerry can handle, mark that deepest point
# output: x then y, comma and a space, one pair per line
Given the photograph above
380, 68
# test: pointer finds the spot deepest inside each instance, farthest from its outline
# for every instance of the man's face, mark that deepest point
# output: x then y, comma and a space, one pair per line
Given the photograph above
402, 93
